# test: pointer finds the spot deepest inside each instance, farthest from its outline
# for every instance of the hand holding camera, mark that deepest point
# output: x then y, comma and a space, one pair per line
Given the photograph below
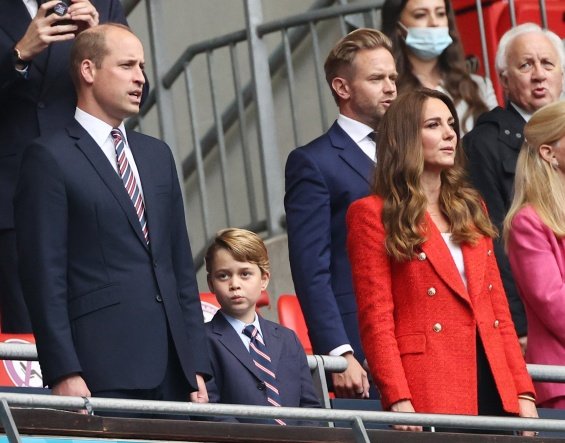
56, 21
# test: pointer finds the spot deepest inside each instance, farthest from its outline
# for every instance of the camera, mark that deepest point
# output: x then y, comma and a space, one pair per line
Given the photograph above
60, 8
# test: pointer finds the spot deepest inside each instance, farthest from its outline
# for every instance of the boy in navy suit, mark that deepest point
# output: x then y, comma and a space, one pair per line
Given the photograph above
254, 361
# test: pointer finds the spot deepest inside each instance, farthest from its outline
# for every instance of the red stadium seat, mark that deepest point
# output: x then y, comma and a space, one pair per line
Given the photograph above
290, 315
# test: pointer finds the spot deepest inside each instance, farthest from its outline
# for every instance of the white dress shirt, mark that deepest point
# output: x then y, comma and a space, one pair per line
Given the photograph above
359, 133
31, 6
100, 132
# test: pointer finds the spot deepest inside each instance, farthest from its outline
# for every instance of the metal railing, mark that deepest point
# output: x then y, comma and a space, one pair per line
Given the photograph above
357, 418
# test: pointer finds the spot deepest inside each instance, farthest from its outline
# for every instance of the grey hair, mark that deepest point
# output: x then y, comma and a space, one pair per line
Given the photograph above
501, 61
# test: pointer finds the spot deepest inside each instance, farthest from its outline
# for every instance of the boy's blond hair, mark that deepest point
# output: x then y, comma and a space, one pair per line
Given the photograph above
243, 245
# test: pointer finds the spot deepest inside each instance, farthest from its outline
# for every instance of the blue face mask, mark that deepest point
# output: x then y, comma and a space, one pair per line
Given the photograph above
427, 43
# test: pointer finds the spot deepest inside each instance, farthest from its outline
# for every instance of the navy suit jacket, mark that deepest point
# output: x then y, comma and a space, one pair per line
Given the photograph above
102, 302
322, 179
43, 101
236, 380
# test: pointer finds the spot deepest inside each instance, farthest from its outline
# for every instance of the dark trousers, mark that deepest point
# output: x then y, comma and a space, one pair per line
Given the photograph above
14, 316
173, 387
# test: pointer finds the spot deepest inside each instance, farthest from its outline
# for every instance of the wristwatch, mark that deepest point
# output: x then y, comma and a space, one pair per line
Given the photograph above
19, 63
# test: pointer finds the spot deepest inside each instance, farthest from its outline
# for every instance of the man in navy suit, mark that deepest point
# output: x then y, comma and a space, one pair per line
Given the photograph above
238, 271
36, 97
112, 292
322, 179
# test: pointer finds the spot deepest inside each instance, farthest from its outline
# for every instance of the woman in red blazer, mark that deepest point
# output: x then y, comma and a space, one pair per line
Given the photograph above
433, 315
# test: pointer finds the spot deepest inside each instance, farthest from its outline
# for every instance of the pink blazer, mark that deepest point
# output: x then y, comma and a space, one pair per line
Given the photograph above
537, 258
418, 321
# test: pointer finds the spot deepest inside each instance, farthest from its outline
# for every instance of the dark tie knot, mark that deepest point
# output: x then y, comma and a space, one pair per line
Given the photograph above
372, 136
250, 331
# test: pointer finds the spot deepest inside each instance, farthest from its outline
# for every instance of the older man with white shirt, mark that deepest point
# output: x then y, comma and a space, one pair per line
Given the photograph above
530, 63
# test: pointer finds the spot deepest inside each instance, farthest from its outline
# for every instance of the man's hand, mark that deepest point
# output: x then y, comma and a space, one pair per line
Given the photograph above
200, 396
44, 30
73, 386
84, 14
405, 406
353, 382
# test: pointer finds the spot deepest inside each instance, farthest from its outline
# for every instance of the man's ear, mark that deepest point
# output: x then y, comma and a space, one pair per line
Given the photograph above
88, 71
341, 88
504, 82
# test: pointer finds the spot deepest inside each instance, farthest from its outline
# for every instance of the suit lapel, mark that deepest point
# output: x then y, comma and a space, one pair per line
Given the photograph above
100, 163
350, 153
230, 340
441, 260
271, 336
14, 24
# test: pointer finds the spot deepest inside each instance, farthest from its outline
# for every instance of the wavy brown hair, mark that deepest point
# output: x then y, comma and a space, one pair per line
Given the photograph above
400, 164
457, 80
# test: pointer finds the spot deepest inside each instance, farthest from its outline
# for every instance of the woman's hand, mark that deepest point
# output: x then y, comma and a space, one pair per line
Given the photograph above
528, 410
404, 406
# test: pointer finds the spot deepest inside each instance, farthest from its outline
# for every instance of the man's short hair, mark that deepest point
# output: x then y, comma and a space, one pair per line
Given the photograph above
501, 61
243, 245
343, 53
90, 44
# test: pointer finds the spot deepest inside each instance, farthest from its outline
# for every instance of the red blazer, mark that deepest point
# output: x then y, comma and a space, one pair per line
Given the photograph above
418, 320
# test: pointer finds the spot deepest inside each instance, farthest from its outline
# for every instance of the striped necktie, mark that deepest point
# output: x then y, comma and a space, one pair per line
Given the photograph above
262, 361
130, 183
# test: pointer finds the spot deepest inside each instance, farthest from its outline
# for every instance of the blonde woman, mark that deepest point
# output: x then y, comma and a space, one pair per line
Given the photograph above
534, 232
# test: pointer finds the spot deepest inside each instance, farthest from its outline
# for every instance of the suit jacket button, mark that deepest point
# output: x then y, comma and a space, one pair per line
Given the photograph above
261, 386
490, 287
496, 323
422, 256
159, 298
41, 105
489, 252
432, 292
437, 327
154, 263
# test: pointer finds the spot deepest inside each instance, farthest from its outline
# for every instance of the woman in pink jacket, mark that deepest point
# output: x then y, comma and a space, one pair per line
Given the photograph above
534, 231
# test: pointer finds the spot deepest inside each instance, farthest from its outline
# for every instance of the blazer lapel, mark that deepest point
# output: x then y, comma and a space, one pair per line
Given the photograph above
438, 254
100, 163
229, 339
475, 258
351, 154
271, 336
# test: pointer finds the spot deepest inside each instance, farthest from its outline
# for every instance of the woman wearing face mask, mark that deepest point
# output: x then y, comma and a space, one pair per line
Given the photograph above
433, 315
534, 231
428, 52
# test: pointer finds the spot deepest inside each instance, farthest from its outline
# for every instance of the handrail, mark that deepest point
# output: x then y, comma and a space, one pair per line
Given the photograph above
315, 15
541, 373
308, 414
28, 352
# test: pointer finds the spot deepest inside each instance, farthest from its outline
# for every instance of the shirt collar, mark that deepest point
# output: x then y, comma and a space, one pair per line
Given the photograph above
355, 129
239, 326
98, 129
525, 115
